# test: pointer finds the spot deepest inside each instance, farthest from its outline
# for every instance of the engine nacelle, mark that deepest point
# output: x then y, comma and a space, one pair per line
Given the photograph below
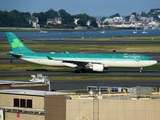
70, 64
98, 67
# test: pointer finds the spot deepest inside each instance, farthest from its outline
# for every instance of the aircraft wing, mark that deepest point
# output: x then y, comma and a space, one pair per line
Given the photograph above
77, 62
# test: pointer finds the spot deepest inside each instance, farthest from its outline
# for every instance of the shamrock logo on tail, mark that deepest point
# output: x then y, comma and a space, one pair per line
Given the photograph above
17, 43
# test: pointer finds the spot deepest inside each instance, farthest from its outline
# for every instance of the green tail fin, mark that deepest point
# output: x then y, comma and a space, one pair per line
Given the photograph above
16, 44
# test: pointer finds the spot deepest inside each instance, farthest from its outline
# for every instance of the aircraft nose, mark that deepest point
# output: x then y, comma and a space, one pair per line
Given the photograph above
155, 62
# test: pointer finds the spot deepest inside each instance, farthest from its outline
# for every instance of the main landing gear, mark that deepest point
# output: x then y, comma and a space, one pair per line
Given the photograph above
141, 68
80, 70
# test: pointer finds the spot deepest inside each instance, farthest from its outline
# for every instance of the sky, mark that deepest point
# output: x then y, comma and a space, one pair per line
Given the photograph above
90, 7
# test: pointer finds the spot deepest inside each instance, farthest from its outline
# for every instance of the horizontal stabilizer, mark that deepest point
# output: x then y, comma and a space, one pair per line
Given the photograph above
15, 55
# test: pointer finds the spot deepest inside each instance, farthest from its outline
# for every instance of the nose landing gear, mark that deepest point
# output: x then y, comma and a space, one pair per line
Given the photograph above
141, 68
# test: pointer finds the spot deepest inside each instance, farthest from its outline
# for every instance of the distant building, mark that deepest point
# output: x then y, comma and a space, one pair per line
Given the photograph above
76, 20
56, 20
99, 23
132, 19
50, 21
34, 22
126, 26
88, 23
153, 24
118, 19
144, 19
109, 20
156, 11
114, 20
80, 28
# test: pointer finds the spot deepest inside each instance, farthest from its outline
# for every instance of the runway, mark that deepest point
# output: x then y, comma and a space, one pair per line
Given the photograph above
81, 85
85, 41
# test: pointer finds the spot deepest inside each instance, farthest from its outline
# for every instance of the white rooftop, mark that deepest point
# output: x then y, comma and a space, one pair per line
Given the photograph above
16, 82
12, 82
31, 92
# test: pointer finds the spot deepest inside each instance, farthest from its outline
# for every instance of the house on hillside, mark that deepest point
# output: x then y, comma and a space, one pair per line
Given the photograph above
50, 21
56, 21
76, 20
34, 22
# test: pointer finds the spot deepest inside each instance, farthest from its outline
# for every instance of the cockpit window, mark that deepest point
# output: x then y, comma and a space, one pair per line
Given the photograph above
150, 58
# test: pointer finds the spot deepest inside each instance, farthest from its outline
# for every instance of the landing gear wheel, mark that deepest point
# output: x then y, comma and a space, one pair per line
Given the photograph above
76, 71
141, 69
83, 70
80, 71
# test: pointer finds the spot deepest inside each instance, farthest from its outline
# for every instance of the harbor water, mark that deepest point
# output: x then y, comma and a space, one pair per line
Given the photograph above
85, 34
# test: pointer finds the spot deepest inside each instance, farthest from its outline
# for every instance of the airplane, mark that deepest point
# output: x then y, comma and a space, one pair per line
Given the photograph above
96, 62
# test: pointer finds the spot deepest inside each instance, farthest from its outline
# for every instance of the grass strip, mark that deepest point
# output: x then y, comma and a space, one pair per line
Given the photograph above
82, 77
141, 38
89, 48
32, 66
29, 67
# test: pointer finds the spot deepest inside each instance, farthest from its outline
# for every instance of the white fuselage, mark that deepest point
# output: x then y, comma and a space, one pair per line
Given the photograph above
106, 63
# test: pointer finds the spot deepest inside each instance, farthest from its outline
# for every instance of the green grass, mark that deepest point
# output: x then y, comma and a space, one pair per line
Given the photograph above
96, 48
125, 48
81, 77
90, 47
32, 66
29, 66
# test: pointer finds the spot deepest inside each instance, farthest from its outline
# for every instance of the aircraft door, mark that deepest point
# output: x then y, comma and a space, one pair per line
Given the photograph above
34, 56
142, 58
141, 61
113, 58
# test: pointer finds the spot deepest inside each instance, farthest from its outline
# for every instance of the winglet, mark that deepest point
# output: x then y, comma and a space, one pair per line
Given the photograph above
67, 52
49, 58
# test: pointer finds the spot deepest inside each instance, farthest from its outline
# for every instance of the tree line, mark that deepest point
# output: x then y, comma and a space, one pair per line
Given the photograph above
16, 18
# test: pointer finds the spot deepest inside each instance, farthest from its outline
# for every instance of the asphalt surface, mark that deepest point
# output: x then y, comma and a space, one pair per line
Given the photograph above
81, 85
85, 42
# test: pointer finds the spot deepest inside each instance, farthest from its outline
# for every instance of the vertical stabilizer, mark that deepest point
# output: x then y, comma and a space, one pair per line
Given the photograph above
16, 44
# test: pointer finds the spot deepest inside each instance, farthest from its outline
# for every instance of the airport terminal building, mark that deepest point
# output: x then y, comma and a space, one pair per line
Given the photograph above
22, 104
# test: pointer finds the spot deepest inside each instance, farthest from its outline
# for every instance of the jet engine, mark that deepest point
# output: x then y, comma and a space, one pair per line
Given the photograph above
98, 67
70, 64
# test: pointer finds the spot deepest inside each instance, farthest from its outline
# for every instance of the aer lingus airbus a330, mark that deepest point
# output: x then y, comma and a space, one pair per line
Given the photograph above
96, 62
